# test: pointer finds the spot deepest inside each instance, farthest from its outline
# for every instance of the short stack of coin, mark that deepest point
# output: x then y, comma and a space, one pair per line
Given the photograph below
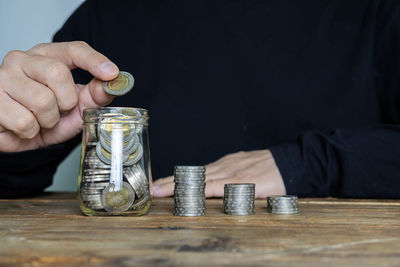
239, 199
282, 204
189, 193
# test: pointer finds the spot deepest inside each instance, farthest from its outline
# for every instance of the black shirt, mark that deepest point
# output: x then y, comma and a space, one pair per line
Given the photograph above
317, 82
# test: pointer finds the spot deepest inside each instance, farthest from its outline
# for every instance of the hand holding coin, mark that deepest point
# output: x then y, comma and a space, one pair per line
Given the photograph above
40, 104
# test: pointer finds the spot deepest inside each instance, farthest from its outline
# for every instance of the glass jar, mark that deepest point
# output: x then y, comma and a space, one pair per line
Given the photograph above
115, 172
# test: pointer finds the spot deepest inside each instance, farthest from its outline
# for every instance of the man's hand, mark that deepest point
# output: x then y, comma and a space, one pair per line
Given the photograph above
40, 104
243, 167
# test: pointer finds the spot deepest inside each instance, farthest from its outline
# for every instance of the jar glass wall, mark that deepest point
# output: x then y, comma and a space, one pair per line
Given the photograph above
115, 172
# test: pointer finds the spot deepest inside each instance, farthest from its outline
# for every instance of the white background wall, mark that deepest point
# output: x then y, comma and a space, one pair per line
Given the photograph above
24, 23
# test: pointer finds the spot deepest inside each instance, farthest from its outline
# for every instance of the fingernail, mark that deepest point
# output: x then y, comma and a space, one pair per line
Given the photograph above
109, 67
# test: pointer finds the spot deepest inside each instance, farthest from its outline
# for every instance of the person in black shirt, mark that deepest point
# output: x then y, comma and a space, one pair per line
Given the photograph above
298, 97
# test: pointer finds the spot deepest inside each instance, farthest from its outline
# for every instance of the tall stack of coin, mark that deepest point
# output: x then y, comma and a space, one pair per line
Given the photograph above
239, 199
282, 204
189, 193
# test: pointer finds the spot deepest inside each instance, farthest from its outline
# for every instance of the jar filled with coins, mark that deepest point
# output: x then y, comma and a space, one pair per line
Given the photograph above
115, 173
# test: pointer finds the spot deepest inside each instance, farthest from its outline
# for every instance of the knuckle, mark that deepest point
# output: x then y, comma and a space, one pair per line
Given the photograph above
40, 48
24, 124
78, 44
57, 71
12, 56
44, 102
69, 104
52, 122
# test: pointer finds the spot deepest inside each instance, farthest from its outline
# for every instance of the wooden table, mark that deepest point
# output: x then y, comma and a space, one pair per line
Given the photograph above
50, 230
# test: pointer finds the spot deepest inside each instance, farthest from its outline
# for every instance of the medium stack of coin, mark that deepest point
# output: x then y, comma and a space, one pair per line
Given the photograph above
282, 204
189, 192
239, 199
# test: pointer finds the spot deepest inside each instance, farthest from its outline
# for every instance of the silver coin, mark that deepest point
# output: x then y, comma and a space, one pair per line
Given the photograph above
129, 146
92, 198
238, 185
107, 124
95, 192
284, 211
97, 171
105, 156
188, 214
134, 157
190, 168
137, 179
95, 178
139, 203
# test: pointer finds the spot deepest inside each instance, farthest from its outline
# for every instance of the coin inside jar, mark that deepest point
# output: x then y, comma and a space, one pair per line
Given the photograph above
117, 201
121, 85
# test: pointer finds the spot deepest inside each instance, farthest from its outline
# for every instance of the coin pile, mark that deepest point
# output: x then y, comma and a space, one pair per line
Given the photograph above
282, 204
96, 189
239, 199
189, 192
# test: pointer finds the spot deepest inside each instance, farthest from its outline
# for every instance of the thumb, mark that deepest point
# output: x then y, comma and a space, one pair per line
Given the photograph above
91, 95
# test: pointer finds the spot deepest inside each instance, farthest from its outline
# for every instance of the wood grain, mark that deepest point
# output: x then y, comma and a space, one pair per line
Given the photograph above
50, 230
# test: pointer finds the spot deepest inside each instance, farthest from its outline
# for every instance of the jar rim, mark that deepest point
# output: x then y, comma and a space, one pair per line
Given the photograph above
93, 114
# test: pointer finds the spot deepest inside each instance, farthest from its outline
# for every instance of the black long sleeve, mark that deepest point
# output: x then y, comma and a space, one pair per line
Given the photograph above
344, 163
354, 162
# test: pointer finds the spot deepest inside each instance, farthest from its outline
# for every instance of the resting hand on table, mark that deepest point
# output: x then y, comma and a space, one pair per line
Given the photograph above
243, 167
40, 104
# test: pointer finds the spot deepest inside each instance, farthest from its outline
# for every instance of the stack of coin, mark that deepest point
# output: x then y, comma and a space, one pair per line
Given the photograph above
239, 199
95, 177
189, 193
282, 204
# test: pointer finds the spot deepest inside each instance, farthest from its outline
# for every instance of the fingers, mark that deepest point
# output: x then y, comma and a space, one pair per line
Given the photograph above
16, 118
169, 179
35, 97
215, 188
93, 96
78, 54
90, 96
56, 76
163, 189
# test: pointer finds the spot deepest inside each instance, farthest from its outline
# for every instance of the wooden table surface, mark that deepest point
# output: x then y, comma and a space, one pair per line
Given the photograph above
51, 230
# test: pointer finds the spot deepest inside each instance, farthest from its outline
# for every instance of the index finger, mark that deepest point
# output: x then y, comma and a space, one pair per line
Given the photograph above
78, 54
